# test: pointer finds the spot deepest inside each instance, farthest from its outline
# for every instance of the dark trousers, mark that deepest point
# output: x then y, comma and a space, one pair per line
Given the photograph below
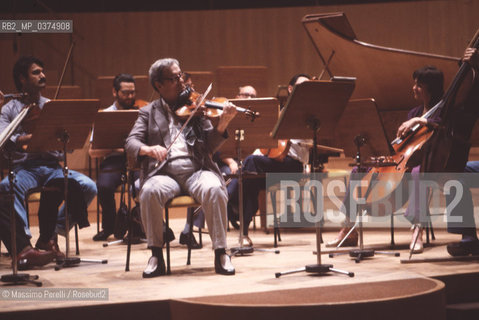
252, 187
49, 203
109, 178
22, 240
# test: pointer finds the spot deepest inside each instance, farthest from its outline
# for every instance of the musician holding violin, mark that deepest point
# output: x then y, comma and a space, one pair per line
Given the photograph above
36, 170
113, 164
175, 162
290, 156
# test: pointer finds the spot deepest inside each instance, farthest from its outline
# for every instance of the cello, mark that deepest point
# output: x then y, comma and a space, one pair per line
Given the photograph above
443, 149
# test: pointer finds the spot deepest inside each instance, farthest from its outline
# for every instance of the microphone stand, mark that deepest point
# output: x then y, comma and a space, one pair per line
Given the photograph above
361, 253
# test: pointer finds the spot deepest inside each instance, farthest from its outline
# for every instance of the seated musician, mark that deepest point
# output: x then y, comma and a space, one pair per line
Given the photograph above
428, 91
297, 156
246, 92
463, 122
186, 168
36, 170
114, 164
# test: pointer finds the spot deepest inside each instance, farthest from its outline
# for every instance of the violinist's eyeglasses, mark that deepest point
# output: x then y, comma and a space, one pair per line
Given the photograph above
175, 78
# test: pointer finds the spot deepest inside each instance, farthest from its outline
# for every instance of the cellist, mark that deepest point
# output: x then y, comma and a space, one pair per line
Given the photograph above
428, 90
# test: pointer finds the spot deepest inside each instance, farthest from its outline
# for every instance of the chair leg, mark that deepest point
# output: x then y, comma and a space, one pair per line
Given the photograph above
130, 218
392, 230
190, 233
97, 202
433, 237
167, 226
76, 241
272, 195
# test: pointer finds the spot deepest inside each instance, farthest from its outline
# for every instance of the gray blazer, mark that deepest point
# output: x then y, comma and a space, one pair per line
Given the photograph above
151, 128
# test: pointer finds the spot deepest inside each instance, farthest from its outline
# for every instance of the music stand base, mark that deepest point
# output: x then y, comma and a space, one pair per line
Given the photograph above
360, 254
319, 269
20, 278
241, 251
72, 262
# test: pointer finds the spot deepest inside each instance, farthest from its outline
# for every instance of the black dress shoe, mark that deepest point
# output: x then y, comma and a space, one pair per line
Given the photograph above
463, 248
52, 246
102, 235
154, 268
191, 241
223, 264
168, 236
235, 224
29, 258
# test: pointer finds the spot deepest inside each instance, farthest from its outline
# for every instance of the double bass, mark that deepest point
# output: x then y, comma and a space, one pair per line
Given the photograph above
444, 149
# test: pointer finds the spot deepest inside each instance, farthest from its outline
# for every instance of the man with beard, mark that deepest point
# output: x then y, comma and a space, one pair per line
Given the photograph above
114, 164
36, 170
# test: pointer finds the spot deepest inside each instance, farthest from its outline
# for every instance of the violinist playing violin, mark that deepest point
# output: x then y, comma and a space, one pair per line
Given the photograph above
113, 164
36, 170
175, 162
295, 156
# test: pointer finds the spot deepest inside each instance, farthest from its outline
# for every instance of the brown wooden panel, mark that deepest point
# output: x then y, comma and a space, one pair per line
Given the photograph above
392, 120
361, 118
201, 80
66, 92
230, 78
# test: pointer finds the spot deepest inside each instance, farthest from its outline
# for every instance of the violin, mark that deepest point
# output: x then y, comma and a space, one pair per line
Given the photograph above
210, 108
278, 153
139, 103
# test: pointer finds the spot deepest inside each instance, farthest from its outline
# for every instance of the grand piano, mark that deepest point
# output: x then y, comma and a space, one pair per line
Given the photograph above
383, 74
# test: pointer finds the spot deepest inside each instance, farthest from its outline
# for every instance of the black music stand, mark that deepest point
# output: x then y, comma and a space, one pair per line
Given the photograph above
110, 130
316, 105
250, 135
64, 125
362, 134
14, 278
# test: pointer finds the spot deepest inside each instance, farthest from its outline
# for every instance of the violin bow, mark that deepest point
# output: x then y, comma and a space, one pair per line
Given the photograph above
64, 69
198, 104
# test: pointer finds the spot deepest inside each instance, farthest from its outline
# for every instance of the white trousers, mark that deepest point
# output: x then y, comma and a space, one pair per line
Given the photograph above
181, 177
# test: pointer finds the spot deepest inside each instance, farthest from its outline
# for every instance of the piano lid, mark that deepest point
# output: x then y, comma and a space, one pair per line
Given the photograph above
382, 73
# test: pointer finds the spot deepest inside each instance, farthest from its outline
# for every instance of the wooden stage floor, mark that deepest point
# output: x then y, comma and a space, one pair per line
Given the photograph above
254, 273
